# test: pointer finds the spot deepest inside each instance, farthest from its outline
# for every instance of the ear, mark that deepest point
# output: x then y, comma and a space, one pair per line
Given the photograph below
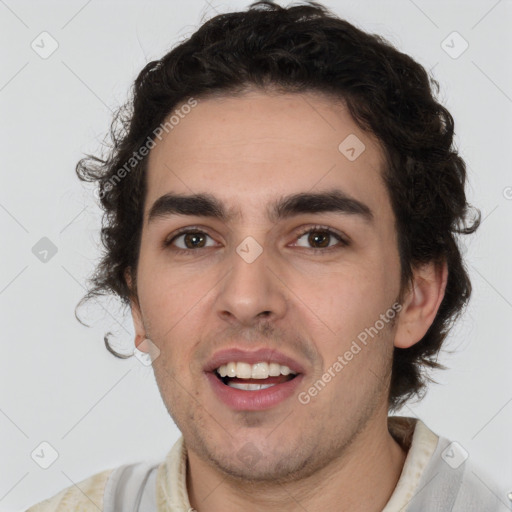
140, 331
421, 303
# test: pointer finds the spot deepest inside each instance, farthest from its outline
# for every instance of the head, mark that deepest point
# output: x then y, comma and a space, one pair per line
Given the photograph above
323, 201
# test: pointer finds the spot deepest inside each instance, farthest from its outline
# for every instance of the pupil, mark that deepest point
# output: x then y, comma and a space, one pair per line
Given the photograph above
193, 237
313, 238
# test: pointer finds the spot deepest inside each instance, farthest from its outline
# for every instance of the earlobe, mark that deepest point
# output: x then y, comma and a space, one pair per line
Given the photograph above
421, 303
140, 331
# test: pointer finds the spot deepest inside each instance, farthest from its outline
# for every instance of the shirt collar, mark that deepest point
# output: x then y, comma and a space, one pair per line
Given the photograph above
420, 443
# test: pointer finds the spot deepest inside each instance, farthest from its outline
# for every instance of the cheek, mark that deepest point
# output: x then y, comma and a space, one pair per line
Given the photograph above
344, 301
342, 313
172, 296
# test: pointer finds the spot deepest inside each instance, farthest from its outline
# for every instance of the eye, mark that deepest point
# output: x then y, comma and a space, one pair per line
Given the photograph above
189, 239
320, 238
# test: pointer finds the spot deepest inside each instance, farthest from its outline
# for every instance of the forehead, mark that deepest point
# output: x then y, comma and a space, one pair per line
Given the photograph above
251, 149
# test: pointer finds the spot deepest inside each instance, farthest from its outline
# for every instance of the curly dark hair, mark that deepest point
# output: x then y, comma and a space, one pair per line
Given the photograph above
303, 48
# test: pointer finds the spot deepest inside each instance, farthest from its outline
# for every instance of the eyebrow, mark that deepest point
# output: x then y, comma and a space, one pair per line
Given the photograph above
207, 205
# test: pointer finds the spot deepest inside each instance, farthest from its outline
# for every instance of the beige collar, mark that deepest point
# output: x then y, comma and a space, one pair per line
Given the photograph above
420, 443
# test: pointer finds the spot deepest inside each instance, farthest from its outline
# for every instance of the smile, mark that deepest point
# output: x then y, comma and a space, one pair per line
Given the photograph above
249, 377
251, 381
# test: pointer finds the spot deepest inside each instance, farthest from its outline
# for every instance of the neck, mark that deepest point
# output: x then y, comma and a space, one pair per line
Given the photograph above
363, 478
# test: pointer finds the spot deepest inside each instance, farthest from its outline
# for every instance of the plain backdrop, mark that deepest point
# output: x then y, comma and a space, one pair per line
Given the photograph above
59, 385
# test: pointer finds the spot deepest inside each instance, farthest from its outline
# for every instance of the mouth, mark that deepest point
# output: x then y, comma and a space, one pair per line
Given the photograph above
253, 381
254, 377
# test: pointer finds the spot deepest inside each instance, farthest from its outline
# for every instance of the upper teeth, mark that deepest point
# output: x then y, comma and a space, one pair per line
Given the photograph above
253, 371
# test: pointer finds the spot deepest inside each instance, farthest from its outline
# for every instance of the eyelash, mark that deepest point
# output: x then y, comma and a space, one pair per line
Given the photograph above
343, 242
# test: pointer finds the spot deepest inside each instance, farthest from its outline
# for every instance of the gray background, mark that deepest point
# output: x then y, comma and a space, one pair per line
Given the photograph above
59, 384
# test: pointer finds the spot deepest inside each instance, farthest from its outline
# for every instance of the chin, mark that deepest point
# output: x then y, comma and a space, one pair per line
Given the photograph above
264, 463
262, 471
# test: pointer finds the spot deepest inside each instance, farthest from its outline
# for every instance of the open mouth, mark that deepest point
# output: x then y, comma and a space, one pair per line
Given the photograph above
254, 384
253, 381
253, 377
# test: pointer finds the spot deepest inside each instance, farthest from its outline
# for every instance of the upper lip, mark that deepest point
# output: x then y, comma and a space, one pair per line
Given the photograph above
228, 355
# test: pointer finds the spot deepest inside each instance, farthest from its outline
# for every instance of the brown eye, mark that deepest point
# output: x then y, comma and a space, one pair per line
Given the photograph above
320, 238
190, 240
194, 240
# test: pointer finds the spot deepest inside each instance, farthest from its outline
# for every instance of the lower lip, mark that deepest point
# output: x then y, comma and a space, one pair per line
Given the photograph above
241, 400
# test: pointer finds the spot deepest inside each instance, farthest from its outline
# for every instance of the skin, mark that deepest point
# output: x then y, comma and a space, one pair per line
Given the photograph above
335, 453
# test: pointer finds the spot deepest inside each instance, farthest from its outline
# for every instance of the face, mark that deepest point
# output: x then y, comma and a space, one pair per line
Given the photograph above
256, 278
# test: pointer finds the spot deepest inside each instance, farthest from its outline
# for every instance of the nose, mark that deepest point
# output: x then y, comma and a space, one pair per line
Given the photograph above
252, 290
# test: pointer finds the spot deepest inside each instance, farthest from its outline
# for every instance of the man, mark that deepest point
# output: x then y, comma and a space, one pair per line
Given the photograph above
281, 217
